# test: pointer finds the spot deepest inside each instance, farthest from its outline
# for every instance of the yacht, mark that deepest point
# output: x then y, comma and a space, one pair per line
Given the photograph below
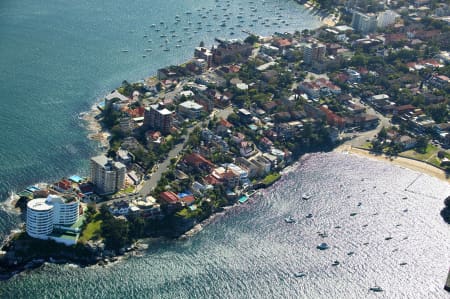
353, 214
299, 274
335, 263
323, 246
309, 215
350, 253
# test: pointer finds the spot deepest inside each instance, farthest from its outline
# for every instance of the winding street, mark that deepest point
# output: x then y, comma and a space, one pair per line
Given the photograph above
150, 184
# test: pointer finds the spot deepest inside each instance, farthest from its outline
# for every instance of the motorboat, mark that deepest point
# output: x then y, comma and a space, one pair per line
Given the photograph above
309, 215
289, 219
335, 263
323, 246
376, 289
299, 274
306, 196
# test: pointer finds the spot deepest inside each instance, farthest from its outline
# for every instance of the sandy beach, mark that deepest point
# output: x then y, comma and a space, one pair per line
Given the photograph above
399, 161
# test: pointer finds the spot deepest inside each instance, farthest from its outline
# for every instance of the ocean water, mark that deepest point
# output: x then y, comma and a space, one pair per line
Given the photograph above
251, 252
59, 57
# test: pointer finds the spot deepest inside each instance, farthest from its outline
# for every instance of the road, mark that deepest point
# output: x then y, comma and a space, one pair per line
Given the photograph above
361, 137
150, 184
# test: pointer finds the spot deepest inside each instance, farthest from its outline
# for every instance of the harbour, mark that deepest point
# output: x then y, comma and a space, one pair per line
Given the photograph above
249, 249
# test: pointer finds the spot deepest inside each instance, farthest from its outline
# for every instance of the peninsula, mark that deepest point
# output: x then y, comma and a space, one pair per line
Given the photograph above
209, 133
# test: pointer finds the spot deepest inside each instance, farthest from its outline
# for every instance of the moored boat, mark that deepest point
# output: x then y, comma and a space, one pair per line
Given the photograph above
323, 246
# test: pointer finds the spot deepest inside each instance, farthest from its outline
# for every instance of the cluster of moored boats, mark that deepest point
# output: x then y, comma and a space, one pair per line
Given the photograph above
221, 16
325, 246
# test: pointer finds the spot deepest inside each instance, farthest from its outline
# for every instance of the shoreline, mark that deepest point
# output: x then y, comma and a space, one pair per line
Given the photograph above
93, 127
399, 161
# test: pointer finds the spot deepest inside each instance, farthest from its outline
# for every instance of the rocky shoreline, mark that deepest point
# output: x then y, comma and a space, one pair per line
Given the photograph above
12, 260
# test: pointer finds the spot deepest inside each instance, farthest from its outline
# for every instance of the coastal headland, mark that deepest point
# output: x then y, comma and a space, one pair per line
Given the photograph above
207, 134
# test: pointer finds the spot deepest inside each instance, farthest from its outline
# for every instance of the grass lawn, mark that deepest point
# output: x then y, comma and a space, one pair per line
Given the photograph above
269, 179
187, 213
127, 190
428, 156
367, 145
92, 231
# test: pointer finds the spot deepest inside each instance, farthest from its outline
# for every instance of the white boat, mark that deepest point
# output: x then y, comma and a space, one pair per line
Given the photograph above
335, 263
124, 51
306, 196
289, 219
323, 246
299, 274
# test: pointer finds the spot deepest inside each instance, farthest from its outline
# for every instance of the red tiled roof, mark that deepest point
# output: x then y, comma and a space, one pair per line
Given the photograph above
169, 197
188, 199
225, 123
197, 159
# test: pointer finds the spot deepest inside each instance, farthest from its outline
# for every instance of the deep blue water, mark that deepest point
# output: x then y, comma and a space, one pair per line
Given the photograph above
59, 57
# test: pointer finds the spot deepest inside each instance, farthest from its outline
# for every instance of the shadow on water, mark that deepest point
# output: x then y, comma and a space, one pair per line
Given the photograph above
445, 212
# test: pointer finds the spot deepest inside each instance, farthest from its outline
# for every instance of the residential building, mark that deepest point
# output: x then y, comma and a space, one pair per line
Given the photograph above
387, 18
126, 124
108, 176
314, 53
364, 23
157, 117
204, 53
53, 212
230, 51
190, 109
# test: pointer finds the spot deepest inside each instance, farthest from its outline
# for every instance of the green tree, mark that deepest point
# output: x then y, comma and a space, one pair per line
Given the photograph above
421, 145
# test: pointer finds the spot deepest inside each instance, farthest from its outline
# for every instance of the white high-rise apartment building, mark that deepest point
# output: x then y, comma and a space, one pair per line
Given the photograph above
108, 176
365, 23
387, 18
43, 214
